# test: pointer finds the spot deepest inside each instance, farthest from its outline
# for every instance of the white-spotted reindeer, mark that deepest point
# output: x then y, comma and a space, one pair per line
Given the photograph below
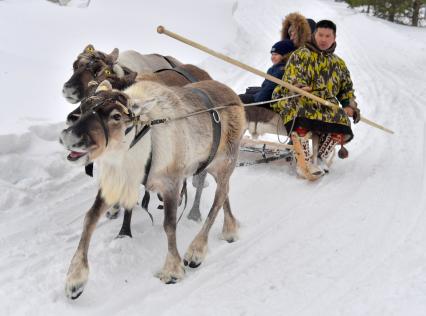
90, 64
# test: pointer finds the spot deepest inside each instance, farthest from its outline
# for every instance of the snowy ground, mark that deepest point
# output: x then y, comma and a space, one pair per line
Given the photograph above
352, 243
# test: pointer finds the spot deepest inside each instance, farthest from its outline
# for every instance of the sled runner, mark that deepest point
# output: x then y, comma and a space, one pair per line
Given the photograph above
267, 150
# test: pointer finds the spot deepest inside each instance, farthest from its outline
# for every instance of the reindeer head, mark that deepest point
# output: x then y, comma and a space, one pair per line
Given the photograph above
100, 124
118, 77
88, 66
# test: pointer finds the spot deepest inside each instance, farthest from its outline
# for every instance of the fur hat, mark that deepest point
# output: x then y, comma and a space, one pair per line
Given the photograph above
298, 23
283, 47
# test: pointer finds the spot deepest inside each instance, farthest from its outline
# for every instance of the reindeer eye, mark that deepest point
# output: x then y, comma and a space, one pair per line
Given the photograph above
116, 117
72, 118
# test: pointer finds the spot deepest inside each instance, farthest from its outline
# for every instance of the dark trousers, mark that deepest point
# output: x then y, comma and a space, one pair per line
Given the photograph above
248, 97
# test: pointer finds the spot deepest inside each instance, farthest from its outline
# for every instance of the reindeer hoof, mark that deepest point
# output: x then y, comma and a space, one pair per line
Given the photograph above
195, 255
76, 280
191, 264
123, 235
230, 236
172, 280
75, 291
194, 215
171, 277
231, 240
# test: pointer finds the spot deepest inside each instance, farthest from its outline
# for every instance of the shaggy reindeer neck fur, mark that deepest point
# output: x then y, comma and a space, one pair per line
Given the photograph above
165, 154
122, 170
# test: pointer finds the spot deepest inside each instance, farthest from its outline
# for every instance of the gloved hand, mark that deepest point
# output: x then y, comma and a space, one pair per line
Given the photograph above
356, 116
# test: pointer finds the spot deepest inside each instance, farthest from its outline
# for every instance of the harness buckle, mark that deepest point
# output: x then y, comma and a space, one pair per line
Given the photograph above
216, 116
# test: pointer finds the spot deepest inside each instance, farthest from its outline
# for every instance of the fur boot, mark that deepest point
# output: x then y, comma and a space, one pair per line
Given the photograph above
302, 154
326, 152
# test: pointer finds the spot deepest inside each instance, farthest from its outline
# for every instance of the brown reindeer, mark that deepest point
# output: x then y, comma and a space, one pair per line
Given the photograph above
90, 64
175, 151
261, 120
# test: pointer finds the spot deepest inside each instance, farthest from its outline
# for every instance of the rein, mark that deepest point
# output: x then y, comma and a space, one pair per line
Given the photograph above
164, 120
104, 127
135, 119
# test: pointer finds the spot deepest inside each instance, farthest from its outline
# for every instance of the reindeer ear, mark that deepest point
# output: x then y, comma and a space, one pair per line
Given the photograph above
89, 49
114, 55
104, 86
140, 107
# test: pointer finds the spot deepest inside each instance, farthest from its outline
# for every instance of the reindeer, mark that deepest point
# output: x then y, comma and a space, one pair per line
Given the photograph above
183, 145
93, 66
179, 76
126, 65
261, 120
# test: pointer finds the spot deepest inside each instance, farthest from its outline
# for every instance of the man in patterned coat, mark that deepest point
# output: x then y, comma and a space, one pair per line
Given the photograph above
316, 69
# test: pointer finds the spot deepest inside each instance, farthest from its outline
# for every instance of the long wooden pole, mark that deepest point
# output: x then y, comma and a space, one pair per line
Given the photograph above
162, 30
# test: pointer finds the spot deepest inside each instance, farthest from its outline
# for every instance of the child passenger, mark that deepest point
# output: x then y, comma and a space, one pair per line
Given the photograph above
280, 53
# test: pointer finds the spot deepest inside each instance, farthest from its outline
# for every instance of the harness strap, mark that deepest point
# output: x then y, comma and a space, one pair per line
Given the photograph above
180, 71
139, 135
216, 126
171, 63
89, 167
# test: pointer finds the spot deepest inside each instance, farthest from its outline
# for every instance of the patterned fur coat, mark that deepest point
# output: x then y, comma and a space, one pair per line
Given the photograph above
326, 74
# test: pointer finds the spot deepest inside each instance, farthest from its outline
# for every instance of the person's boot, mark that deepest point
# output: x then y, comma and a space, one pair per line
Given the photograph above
326, 152
302, 154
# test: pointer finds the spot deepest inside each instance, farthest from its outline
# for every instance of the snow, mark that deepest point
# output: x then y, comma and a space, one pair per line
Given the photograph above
352, 243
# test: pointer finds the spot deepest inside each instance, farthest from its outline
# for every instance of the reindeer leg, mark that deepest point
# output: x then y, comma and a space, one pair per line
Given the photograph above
230, 224
127, 220
197, 251
126, 226
78, 271
172, 270
194, 213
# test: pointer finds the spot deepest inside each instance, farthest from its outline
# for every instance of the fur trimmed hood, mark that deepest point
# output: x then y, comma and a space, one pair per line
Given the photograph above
303, 30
